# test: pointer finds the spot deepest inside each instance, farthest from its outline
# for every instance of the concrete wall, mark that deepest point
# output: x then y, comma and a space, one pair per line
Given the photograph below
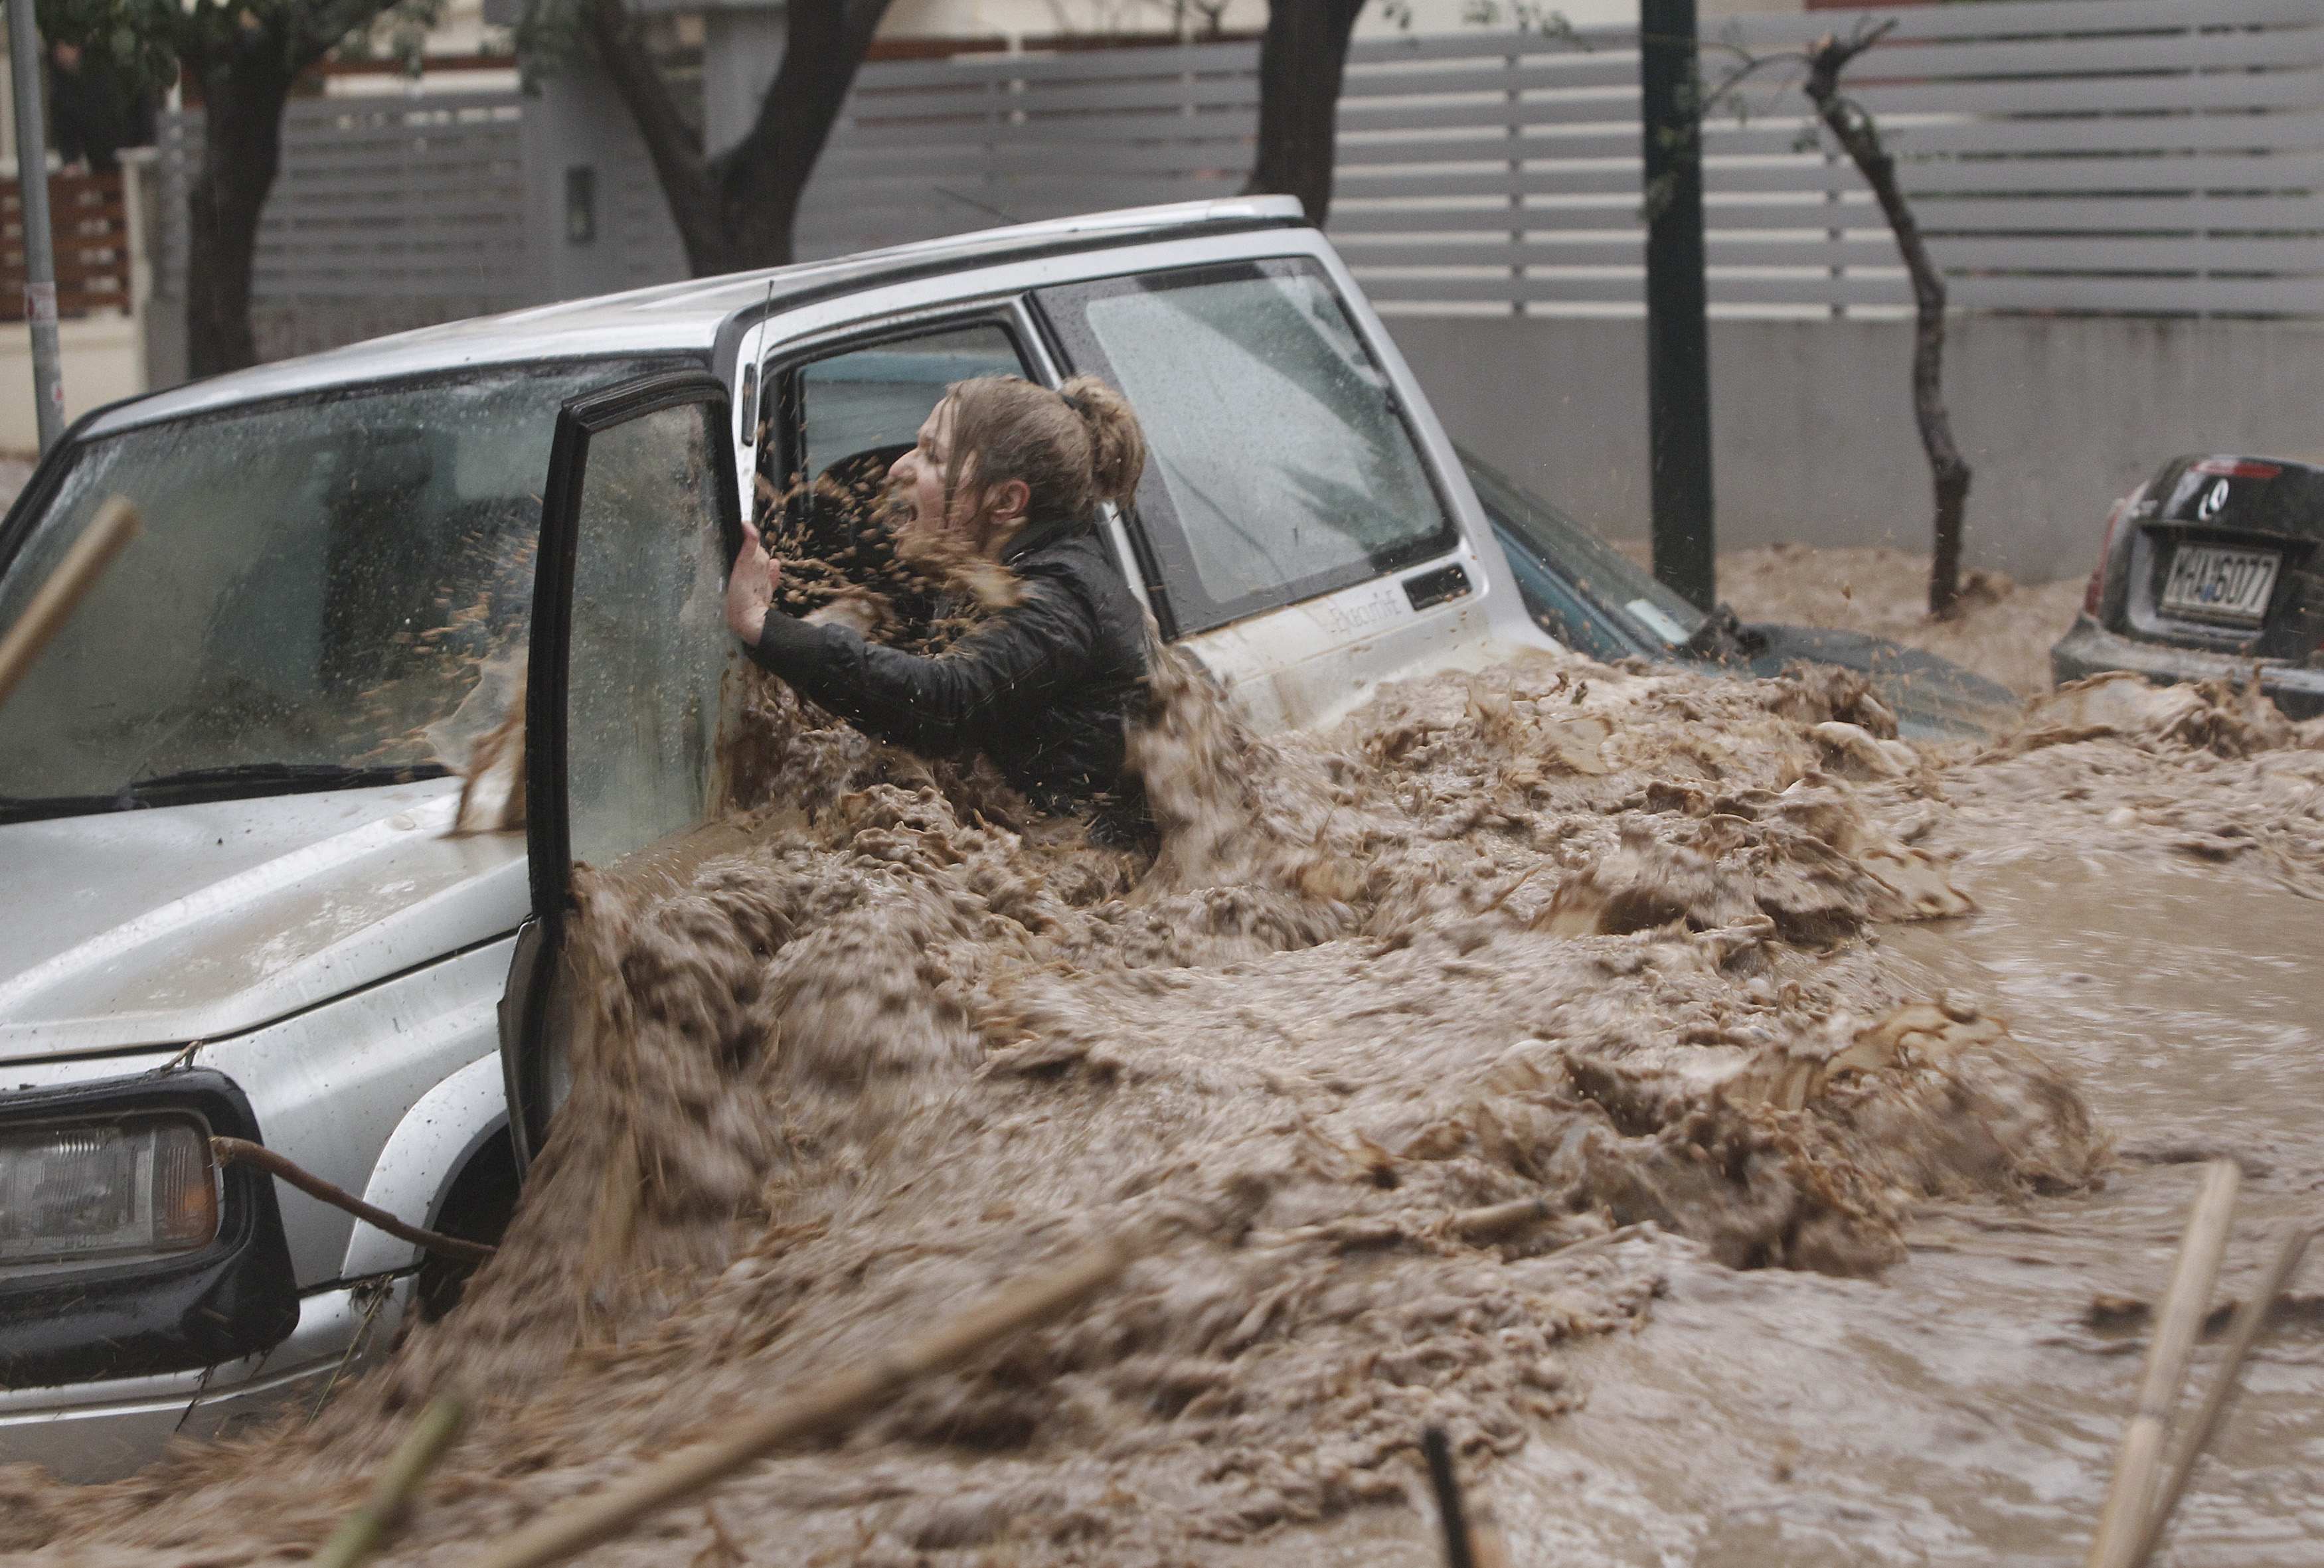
1814, 439
104, 360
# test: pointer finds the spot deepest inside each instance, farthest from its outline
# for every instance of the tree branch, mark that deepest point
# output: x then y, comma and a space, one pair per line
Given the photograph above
759, 183
672, 144
1860, 138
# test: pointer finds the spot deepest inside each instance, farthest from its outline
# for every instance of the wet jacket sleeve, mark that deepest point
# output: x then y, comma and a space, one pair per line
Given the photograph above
1037, 645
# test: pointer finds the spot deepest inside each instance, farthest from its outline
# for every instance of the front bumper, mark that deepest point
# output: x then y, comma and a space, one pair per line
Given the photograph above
89, 1432
2089, 649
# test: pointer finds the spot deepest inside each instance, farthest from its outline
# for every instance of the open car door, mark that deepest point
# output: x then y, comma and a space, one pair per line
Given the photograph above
640, 519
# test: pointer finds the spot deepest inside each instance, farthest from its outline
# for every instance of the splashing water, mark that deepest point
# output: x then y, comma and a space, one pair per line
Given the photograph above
881, 1041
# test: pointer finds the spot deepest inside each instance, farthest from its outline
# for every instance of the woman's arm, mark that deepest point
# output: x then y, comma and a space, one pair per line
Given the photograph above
933, 705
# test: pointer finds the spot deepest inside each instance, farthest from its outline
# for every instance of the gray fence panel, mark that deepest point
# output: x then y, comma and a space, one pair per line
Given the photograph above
2158, 156
387, 196
2060, 154
896, 76
2026, 19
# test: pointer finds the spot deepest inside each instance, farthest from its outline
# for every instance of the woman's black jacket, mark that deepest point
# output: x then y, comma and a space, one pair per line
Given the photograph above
1043, 688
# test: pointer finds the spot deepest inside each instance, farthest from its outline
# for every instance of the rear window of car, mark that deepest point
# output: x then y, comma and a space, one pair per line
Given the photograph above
1280, 464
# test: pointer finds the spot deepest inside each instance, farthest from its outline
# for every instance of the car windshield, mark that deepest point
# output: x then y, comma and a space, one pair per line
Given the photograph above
1594, 568
318, 589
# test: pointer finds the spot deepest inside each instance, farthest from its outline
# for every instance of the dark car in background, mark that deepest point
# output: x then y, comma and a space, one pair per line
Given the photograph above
1596, 601
2212, 569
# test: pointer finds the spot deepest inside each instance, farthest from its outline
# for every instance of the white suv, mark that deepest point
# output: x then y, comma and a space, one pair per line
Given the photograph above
235, 904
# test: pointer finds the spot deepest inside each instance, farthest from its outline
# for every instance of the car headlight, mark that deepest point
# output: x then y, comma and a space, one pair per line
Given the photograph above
79, 1192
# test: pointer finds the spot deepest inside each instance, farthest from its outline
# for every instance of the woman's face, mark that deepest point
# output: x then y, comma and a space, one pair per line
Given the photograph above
920, 473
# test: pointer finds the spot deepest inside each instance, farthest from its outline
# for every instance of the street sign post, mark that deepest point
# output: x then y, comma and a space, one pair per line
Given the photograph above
39, 244
1678, 346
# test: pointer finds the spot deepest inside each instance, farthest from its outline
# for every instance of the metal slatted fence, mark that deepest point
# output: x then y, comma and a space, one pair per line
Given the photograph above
934, 147
2148, 156
2137, 156
381, 196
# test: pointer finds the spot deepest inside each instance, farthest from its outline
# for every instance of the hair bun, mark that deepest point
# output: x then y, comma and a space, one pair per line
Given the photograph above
1117, 445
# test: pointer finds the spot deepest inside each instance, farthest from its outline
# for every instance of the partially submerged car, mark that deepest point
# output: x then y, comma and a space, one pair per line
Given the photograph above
244, 898
238, 905
1594, 600
2213, 570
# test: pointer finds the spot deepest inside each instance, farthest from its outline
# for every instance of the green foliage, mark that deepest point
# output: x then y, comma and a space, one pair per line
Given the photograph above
151, 39
131, 36
550, 35
401, 34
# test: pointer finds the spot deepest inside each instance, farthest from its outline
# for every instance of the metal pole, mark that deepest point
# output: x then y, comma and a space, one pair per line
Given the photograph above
40, 244
1678, 346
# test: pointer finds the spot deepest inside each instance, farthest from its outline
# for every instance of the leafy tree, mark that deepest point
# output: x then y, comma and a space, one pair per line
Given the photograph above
241, 60
738, 208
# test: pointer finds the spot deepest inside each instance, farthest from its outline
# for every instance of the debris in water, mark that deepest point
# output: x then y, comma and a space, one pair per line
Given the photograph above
1592, 953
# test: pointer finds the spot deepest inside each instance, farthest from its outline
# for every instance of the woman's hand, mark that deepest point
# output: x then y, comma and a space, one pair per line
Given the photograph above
750, 588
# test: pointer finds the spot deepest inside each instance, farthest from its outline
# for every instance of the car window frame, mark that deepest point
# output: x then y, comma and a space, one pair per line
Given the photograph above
529, 996
548, 833
781, 367
1181, 604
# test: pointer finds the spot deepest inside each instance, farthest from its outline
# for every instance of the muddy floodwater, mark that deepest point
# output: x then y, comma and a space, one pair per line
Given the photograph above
1965, 1407
1861, 1086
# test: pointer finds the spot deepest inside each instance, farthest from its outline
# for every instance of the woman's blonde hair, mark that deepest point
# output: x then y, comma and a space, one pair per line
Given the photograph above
1071, 447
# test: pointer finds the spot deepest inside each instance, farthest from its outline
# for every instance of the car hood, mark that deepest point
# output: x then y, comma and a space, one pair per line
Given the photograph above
1934, 698
181, 922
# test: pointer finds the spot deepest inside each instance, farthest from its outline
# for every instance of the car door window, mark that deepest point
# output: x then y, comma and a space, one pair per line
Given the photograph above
855, 411
1281, 467
649, 640
638, 531
629, 652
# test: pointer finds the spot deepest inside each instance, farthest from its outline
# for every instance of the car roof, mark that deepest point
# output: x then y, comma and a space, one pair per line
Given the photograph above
687, 317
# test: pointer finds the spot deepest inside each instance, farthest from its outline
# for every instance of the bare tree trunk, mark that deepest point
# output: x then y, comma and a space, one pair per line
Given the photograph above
243, 97
1303, 58
671, 145
739, 210
1949, 471
763, 178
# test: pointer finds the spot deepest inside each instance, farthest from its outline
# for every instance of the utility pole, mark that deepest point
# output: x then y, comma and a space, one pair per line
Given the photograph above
1678, 346
39, 244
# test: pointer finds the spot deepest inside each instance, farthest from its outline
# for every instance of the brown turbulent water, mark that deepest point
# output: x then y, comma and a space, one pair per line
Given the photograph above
1856, 1076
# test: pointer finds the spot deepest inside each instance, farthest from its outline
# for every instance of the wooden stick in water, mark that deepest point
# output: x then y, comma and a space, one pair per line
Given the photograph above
1447, 1486
241, 1151
826, 1404
2176, 1323
1498, 1220
2250, 1318
365, 1529
53, 602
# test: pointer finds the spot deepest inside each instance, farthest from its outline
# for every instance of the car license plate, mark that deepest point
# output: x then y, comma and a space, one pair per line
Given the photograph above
2227, 585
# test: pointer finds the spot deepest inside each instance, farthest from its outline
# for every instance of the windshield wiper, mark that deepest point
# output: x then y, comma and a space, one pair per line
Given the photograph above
287, 778
193, 784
